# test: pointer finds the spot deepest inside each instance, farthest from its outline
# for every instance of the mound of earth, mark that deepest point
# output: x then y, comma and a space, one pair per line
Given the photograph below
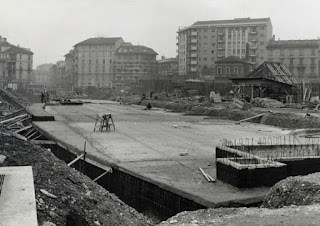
299, 190
79, 201
306, 215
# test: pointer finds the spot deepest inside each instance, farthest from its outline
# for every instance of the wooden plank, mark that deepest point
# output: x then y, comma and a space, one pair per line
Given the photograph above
204, 174
97, 178
75, 160
253, 117
14, 118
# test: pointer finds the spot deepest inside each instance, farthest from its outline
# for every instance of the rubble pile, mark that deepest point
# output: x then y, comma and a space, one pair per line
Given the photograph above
63, 195
299, 190
266, 103
18, 97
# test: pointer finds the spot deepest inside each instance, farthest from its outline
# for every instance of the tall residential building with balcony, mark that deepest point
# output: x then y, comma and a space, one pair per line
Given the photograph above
301, 57
15, 65
93, 62
205, 42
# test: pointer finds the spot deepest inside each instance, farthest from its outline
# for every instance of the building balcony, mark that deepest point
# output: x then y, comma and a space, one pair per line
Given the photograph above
193, 69
194, 48
220, 40
220, 33
253, 32
194, 41
253, 40
253, 55
194, 33
193, 62
301, 66
194, 55
252, 47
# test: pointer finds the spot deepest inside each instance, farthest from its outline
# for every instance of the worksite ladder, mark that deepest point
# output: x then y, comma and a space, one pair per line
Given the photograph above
104, 120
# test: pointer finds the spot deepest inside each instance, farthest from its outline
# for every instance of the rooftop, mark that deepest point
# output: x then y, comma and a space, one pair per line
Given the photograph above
168, 60
16, 49
99, 41
234, 21
275, 71
124, 49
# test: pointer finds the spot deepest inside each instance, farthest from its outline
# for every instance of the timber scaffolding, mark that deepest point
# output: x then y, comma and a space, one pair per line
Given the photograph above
19, 124
264, 161
270, 79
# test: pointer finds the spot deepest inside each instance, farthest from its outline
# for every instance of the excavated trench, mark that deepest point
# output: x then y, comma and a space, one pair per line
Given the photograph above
145, 197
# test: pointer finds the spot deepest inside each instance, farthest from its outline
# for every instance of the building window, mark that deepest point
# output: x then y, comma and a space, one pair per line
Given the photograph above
261, 27
227, 70
205, 59
261, 35
219, 70
261, 43
212, 51
236, 70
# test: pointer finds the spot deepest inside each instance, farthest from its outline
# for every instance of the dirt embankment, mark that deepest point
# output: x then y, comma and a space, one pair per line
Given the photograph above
283, 120
306, 215
79, 200
299, 190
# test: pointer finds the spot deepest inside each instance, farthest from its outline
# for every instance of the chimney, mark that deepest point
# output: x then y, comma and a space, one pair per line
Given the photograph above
163, 57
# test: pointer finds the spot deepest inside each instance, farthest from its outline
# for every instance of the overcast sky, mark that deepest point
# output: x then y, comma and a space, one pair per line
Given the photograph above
50, 28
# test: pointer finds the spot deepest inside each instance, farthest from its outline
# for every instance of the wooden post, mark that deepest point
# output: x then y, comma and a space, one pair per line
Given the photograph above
84, 158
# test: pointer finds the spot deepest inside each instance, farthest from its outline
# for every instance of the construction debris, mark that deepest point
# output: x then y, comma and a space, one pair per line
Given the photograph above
215, 97
247, 119
266, 103
48, 194
208, 177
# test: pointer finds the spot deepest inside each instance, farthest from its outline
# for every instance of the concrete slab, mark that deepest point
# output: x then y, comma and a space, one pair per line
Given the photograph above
149, 144
17, 199
38, 113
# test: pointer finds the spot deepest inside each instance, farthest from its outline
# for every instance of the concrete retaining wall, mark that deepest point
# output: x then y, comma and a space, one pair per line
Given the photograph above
250, 177
142, 195
298, 166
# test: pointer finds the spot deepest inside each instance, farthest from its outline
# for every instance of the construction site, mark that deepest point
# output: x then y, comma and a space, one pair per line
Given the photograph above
143, 159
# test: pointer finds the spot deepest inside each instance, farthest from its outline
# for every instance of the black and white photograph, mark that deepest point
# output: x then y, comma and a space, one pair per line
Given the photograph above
159, 112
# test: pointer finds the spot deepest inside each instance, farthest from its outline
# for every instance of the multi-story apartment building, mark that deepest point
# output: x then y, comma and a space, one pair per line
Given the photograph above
70, 77
301, 57
93, 62
133, 63
41, 75
205, 42
168, 67
15, 65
